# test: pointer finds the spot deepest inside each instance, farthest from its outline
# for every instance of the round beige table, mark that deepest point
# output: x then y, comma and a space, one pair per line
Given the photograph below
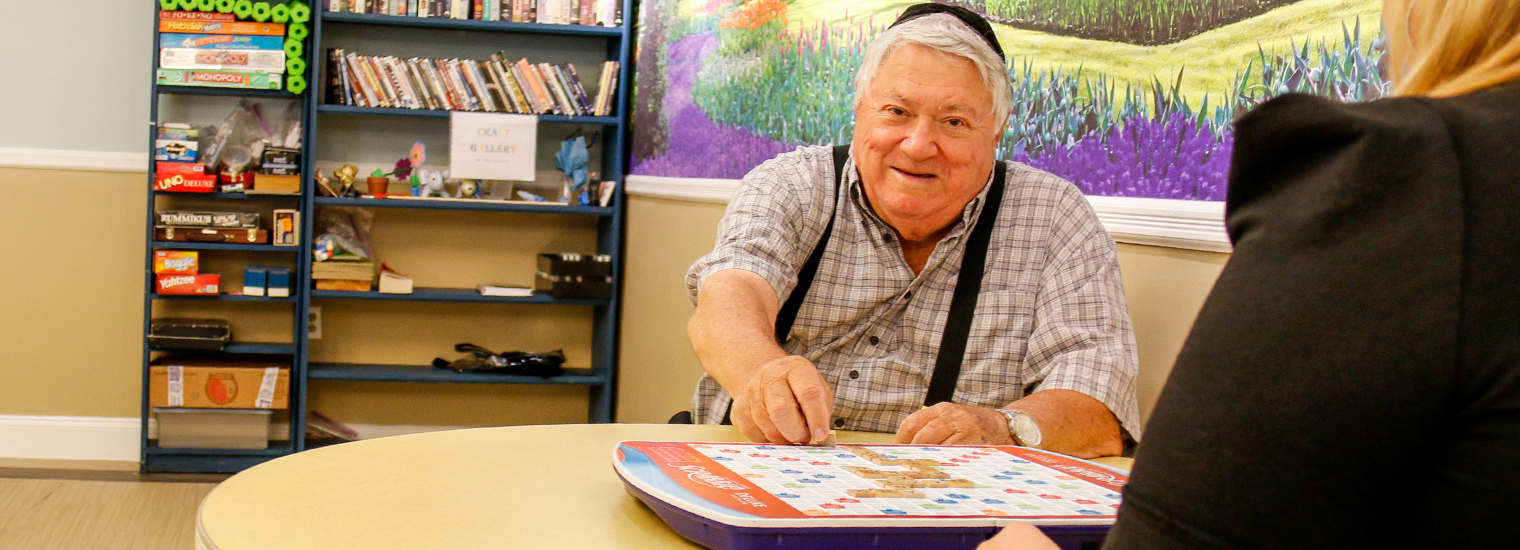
515, 487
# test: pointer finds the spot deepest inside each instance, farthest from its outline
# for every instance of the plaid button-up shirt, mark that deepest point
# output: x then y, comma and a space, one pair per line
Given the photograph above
1051, 313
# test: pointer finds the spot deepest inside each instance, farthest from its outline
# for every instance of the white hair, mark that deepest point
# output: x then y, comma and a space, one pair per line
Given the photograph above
947, 34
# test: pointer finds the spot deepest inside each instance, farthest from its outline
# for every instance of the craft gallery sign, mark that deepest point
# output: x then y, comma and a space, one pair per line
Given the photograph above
492, 146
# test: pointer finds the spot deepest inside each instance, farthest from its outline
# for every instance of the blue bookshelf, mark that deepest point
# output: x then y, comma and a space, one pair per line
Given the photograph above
412, 36
175, 99
599, 379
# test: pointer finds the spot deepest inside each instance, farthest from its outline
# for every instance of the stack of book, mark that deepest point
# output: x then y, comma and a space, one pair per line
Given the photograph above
496, 85
215, 49
607, 13
343, 274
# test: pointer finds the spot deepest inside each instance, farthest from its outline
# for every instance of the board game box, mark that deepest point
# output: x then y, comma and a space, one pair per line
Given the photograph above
733, 496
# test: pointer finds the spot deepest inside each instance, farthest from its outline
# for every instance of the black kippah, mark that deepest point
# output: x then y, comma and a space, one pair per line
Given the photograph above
970, 18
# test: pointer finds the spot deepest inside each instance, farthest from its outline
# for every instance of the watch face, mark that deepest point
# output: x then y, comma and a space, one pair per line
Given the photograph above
1026, 430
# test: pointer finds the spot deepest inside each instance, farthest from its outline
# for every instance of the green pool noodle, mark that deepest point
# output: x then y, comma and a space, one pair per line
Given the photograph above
168, 5
297, 31
225, 6
295, 66
299, 12
186, 5
293, 48
205, 5
243, 9
295, 84
280, 13
261, 11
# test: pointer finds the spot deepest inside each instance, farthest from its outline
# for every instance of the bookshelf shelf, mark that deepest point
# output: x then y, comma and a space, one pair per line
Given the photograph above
355, 372
479, 205
327, 109
433, 294
469, 25
163, 245
246, 348
235, 196
275, 448
226, 92
220, 298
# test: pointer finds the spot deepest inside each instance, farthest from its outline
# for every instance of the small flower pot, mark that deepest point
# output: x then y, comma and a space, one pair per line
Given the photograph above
378, 186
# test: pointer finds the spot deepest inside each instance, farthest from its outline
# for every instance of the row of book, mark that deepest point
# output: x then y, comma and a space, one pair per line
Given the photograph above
607, 13
495, 85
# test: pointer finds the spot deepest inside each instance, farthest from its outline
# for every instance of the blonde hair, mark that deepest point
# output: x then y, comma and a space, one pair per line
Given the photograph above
1460, 47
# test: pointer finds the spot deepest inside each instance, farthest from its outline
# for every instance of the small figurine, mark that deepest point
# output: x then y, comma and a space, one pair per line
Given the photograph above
432, 183
468, 189
346, 176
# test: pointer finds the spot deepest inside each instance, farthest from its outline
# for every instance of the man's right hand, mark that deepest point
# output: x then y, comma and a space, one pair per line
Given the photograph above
786, 401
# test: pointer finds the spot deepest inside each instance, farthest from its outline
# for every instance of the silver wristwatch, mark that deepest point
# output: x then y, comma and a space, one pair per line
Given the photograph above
1023, 428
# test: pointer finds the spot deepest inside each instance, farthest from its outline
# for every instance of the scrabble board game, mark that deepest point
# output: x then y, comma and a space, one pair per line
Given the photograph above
733, 496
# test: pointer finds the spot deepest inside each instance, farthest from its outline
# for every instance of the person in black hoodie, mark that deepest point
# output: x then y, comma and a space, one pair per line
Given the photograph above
1353, 380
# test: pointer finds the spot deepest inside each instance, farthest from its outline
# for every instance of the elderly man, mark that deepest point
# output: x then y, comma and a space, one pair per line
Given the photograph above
928, 289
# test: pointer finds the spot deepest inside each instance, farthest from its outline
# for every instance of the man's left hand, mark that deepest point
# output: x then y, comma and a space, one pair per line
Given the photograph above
952, 424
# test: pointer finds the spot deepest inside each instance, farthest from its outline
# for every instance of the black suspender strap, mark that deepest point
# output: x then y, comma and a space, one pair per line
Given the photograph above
788, 313
952, 345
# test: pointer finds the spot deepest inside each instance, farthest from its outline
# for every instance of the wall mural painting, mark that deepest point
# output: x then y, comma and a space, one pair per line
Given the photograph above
1128, 98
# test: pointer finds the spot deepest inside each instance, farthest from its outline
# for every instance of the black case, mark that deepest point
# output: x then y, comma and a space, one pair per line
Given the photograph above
201, 334
582, 278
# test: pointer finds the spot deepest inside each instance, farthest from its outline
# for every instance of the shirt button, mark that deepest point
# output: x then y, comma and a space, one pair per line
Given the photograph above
838, 422
854, 374
874, 340
907, 295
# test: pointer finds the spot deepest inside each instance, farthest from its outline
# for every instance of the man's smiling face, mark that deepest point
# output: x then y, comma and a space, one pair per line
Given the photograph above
924, 139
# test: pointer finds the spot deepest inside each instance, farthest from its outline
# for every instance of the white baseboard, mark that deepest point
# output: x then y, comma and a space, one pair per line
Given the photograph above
63, 159
70, 438
1195, 225
79, 438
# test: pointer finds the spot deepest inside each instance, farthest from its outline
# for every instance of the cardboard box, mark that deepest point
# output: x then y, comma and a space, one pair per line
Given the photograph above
275, 183
286, 227
174, 150
183, 428
219, 79
280, 156
172, 168
205, 284
219, 383
176, 262
179, 218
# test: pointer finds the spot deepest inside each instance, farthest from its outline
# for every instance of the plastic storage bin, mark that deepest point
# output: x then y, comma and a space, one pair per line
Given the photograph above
180, 428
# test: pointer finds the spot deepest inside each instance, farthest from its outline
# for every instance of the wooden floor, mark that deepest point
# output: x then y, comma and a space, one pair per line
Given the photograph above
69, 510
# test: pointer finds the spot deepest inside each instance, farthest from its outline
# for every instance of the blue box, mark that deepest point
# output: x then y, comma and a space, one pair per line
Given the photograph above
279, 282
253, 281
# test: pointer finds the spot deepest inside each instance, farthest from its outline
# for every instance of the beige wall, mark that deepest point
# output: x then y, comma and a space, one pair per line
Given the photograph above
71, 325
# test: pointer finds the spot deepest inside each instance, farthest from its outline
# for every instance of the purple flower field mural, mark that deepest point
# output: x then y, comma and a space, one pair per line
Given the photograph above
697, 148
726, 105
1160, 159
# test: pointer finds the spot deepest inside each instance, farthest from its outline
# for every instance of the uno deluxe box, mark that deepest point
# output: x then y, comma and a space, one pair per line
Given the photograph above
217, 383
733, 496
210, 235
